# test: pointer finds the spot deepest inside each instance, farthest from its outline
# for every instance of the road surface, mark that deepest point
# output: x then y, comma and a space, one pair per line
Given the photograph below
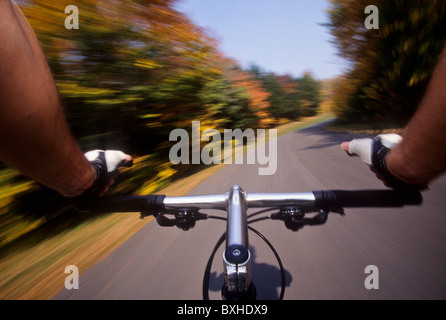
408, 246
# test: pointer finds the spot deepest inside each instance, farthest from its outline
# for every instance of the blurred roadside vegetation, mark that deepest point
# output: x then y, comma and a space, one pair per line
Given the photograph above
390, 66
137, 69
131, 73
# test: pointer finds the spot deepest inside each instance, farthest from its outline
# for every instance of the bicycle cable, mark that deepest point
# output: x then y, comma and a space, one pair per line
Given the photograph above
261, 211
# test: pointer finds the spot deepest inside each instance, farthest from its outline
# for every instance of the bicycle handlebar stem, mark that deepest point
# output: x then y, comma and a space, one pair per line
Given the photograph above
237, 228
236, 257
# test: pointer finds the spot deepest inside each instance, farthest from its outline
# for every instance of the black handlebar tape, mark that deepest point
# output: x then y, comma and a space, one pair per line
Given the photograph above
147, 205
336, 199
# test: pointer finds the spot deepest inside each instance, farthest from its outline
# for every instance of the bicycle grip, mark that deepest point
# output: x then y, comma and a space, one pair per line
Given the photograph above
147, 205
332, 200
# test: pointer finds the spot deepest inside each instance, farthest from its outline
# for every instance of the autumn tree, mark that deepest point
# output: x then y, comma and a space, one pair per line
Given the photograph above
389, 66
308, 94
134, 71
131, 72
289, 97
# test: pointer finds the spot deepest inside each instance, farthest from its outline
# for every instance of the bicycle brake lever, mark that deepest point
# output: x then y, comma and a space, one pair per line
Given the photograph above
295, 219
184, 219
165, 222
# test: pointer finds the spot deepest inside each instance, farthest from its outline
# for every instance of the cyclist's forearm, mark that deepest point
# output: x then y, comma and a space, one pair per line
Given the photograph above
34, 136
422, 154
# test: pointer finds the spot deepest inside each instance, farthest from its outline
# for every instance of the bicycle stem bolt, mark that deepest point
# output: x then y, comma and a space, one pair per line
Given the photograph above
236, 254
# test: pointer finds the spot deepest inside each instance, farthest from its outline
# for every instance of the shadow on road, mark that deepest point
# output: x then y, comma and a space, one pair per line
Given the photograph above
266, 278
329, 138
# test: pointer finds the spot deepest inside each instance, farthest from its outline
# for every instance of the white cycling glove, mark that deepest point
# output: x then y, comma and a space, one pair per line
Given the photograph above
106, 164
373, 152
364, 147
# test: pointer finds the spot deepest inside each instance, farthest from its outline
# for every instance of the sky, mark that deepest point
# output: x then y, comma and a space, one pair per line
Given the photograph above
281, 36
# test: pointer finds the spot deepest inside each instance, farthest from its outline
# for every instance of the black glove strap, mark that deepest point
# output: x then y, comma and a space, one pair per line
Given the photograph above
101, 178
379, 152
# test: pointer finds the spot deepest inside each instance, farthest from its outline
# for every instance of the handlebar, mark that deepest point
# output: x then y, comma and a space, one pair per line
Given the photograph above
290, 208
328, 200
332, 200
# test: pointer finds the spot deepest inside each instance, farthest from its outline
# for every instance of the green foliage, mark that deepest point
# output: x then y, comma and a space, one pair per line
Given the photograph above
390, 66
290, 98
283, 104
228, 102
308, 94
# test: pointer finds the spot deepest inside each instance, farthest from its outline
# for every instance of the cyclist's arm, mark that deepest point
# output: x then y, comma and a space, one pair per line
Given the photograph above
34, 136
421, 156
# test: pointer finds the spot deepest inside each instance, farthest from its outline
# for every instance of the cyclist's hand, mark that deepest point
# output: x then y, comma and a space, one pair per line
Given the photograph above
373, 152
106, 164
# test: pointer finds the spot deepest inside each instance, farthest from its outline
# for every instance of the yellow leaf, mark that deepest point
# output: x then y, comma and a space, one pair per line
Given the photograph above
145, 63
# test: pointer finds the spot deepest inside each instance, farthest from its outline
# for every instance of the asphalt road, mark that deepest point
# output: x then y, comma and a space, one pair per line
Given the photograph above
408, 246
